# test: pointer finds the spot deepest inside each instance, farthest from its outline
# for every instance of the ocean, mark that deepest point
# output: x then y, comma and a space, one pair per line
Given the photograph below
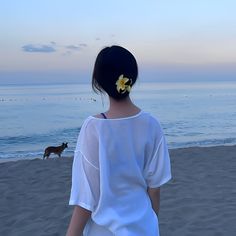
33, 117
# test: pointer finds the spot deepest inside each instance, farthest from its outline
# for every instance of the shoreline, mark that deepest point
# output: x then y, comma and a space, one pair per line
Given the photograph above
5, 160
199, 199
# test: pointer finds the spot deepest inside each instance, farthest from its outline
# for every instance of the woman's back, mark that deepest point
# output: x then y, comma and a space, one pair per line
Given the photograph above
121, 159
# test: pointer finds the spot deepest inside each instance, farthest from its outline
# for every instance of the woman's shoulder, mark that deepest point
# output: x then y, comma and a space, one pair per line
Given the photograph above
87, 123
153, 121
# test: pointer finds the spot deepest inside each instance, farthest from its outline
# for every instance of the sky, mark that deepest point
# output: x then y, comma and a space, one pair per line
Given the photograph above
56, 41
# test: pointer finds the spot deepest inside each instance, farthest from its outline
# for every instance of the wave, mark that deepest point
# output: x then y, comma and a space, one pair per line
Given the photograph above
38, 138
24, 155
203, 143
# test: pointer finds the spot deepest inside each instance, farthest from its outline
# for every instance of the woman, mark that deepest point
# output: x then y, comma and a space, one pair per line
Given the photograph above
121, 158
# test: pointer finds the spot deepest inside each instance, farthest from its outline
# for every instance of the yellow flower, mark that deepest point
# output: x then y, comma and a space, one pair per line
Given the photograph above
121, 85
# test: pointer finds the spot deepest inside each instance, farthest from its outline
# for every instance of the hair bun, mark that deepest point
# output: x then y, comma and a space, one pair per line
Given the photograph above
115, 72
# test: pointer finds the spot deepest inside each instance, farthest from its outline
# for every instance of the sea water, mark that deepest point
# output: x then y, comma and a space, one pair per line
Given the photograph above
33, 117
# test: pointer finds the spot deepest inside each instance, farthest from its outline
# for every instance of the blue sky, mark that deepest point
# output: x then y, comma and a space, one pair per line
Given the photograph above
172, 40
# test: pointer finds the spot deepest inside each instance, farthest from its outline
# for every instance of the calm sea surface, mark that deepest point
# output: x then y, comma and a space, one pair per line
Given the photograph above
192, 114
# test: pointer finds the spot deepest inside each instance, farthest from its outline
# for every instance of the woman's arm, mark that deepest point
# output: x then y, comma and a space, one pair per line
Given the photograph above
78, 221
154, 194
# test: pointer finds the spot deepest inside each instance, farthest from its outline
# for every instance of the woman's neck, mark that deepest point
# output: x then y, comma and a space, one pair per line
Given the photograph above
121, 108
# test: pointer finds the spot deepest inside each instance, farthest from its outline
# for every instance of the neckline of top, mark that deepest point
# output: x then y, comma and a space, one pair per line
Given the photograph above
121, 118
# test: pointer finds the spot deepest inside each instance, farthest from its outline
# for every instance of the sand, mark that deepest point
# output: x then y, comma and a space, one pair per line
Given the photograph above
200, 199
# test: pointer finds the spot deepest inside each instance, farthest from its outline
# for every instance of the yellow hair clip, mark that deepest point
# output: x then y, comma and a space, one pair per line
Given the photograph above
121, 84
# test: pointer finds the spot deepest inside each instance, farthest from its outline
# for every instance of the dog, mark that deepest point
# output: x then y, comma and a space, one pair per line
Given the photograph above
56, 150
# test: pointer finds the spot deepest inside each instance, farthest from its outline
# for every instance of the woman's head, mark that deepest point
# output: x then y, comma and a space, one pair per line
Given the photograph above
115, 72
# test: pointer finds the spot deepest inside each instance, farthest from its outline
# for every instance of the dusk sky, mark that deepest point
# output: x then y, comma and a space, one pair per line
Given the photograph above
172, 40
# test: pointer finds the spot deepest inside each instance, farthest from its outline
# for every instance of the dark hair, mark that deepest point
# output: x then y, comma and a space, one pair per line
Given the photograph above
112, 62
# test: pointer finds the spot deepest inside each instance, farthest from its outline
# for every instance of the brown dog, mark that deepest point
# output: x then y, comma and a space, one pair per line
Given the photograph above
56, 150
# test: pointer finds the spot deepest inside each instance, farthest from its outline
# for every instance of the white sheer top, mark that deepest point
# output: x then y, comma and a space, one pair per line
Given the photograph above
115, 161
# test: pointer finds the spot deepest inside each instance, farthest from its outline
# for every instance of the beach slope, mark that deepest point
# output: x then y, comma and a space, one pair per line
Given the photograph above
199, 200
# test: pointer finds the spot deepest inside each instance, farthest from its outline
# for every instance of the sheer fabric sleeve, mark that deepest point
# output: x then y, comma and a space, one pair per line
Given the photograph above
158, 169
85, 183
85, 189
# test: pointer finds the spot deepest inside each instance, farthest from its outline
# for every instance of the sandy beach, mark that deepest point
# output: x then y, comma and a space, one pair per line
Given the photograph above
200, 199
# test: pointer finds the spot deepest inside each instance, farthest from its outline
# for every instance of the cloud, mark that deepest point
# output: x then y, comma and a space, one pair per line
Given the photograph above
73, 47
70, 49
54, 47
76, 47
42, 48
